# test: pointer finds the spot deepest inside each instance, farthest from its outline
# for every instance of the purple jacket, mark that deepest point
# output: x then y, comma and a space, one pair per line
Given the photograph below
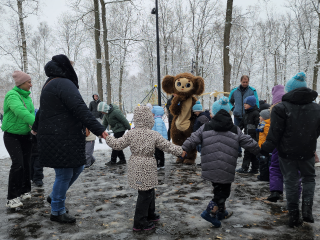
220, 140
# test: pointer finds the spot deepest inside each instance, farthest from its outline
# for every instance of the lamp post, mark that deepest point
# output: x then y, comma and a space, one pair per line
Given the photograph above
156, 12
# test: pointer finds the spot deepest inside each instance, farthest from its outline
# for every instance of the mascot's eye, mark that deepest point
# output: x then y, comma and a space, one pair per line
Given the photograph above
179, 84
188, 85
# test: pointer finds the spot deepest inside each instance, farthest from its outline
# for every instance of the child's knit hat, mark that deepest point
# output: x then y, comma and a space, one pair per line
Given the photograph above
265, 114
103, 107
251, 100
197, 107
295, 82
277, 93
222, 103
149, 105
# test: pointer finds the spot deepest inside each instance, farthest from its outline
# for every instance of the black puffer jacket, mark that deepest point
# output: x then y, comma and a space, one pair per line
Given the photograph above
62, 118
93, 107
250, 121
295, 125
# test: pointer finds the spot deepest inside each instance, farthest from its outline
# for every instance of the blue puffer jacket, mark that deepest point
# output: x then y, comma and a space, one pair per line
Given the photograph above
236, 98
159, 125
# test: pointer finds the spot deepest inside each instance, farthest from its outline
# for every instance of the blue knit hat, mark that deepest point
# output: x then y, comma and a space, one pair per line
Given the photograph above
222, 103
197, 107
251, 100
295, 82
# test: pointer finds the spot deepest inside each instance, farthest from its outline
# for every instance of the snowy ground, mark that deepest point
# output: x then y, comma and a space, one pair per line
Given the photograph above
104, 207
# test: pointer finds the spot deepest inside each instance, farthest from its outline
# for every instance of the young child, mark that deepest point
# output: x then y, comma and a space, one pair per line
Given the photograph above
90, 142
263, 129
202, 118
249, 123
142, 169
220, 140
159, 127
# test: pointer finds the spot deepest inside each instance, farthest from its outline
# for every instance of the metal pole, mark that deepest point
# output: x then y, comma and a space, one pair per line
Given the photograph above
158, 54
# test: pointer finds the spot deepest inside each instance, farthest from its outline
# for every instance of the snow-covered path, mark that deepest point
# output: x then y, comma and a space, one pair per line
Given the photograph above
104, 206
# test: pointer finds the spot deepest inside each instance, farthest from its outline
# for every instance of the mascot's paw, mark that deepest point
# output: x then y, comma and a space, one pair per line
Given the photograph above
188, 161
179, 160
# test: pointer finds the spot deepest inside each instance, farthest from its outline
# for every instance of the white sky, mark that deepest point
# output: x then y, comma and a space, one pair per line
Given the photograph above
51, 9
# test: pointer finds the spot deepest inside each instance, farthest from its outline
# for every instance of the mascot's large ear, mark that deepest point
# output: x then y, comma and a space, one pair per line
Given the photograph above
199, 85
168, 84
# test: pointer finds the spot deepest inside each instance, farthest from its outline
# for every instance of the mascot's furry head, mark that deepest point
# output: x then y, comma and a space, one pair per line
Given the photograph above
184, 84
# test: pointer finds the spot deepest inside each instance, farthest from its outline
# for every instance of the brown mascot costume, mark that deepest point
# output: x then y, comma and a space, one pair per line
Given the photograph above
184, 85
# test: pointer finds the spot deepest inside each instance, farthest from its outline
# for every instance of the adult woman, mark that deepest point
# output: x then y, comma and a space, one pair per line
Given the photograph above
236, 97
60, 125
17, 119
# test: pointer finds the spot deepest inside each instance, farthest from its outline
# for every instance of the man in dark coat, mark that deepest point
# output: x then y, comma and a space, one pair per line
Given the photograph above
93, 107
294, 130
60, 127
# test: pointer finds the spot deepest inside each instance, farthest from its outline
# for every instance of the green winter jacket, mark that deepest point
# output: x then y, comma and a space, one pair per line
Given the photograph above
116, 120
16, 118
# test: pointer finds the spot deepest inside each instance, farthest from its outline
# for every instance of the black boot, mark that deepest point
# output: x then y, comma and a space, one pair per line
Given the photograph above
49, 201
274, 197
64, 218
294, 218
122, 161
307, 211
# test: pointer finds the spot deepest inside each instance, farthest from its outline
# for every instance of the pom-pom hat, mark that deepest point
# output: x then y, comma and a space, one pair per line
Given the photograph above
222, 103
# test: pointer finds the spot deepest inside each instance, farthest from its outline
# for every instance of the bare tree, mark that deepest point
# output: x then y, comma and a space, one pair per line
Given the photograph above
226, 44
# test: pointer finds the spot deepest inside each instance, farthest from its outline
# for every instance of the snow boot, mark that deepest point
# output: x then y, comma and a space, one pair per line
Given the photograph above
210, 214
274, 197
155, 218
294, 218
307, 211
148, 227
64, 218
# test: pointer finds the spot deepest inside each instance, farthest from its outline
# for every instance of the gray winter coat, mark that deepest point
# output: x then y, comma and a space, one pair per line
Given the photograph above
220, 140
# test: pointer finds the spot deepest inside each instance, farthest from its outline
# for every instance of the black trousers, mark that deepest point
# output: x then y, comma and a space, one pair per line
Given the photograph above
116, 153
264, 164
36, 170
250, 158
159, 155
19, 149
221, 193
169, 129
145, 208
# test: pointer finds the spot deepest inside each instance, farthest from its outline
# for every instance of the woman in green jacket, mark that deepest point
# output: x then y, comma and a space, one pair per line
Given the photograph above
18, 118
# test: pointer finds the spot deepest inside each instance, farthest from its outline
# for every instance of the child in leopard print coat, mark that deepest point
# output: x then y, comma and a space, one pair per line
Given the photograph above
142, 166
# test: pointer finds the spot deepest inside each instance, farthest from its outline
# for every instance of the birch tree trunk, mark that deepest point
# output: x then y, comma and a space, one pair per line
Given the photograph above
106, 50
98, 47
226, 43
316, 66
23, 36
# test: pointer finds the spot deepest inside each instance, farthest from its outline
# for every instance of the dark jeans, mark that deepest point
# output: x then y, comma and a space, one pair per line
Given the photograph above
159, 155
221, 193
237, 122
145, 208
65, 177
116, 153
250, 158
36, 170
19, 149
289, 169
